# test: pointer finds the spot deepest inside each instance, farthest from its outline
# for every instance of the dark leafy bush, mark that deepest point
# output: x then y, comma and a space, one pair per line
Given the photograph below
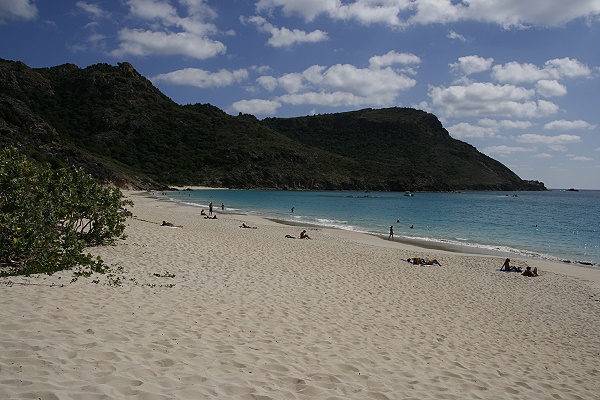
49, 216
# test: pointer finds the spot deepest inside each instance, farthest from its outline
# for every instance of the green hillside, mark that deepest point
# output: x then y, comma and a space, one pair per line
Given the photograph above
114, 123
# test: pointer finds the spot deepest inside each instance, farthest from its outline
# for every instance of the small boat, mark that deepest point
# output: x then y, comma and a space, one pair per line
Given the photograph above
572, 190
408, 194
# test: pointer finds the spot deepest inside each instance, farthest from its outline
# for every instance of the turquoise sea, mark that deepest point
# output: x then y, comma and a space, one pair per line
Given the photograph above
556, 224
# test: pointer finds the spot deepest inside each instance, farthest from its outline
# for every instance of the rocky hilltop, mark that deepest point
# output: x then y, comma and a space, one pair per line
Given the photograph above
115, 124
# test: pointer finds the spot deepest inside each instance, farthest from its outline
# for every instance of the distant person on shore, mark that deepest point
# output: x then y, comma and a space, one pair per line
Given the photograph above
202, 212
423, 261
222, 207
209, 217
165, 223
303, 235
529, 272
292, 210
247, 226
391, 237
210, 207
507, 267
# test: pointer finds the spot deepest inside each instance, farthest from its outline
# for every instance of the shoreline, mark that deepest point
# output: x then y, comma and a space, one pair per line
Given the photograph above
213, 310
563, 268
554, 262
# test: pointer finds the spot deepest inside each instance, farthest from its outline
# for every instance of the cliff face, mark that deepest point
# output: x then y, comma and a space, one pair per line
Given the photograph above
115, 124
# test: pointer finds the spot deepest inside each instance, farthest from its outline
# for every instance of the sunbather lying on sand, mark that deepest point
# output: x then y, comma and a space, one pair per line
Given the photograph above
165, 223
423, 261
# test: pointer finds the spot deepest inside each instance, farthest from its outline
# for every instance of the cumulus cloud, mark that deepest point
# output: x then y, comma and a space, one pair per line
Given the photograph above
290, 83
331, 99
167, 33
143, 43
309, 9
17, 9
557, 147
508, 13
505, 150
345, 84
579, 158
471, 64
254, 107
284, 37
505, 124
92, 9
548, 140
487, 99
514, 72
550, 88
543, 155
456, 36
391, 58
563, 125
465, 130
201, 78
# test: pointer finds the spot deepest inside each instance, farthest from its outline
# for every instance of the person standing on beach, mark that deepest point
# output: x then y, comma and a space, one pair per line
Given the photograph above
210, 206
391, 237
222, 207
292, 210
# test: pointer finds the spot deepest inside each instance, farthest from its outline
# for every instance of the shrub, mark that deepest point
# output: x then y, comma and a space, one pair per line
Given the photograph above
49, 216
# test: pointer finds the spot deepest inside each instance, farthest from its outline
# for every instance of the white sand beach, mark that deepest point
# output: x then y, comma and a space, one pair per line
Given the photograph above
212, 310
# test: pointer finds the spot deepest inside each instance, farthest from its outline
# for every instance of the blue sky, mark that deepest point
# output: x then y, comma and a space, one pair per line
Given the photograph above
517, 79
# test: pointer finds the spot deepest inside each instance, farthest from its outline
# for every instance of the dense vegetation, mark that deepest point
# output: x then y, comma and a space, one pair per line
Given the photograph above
49, 216
115, 124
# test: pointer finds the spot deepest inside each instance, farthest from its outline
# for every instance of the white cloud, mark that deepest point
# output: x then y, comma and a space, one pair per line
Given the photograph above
291, 83
543, 155
563, 125
505, 150
391, 58
472, 64
152, 10
284, 37
344, 84
505, 124
464, 130
144, 43
457, 36
268, 82
383, 83
548, 140
579, 158
514, 72
17, 9
331, 99
557, 147
487, 99
309, 9
201, 78
167, 33
401, 13
93, 9
369, 12
254, 107
550, 88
